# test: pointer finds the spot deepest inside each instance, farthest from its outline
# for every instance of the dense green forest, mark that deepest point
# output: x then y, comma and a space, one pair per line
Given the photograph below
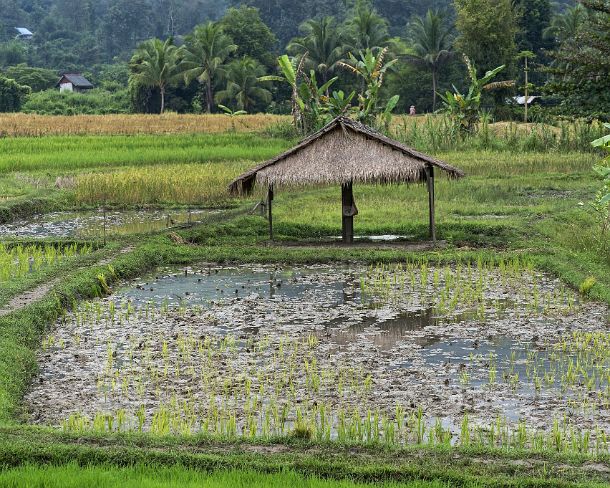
233, 43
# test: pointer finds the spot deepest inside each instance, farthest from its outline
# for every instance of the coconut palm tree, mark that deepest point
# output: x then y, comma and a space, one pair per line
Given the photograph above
366, 29
431, 43
243, 85
206, 52
566, 25
156, 64
322, 45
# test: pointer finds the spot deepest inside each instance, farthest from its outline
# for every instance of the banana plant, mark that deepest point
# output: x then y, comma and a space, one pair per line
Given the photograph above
232, 114
338, 103
465, 108
316, 100
291, 69
371, 67
308, 99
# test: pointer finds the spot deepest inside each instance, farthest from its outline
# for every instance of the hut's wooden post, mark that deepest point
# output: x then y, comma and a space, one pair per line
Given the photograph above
269, 208
347, 202
432, 221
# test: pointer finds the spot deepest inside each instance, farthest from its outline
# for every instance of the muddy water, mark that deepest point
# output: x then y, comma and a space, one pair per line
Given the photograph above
208, 284
451, 363
91, 224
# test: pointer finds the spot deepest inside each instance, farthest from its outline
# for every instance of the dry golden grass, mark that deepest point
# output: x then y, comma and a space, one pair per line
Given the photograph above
186, 184
30, 125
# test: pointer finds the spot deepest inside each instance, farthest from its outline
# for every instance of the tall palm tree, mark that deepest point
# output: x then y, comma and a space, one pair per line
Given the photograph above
431, 42
156, 64
566, 25
366, 29
243, 85
207, 49
322, 44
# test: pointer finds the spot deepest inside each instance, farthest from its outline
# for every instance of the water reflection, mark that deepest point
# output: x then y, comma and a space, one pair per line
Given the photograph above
94, 224
208, 286
384, 333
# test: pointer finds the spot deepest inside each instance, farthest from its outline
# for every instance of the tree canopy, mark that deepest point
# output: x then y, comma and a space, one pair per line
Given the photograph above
222, 50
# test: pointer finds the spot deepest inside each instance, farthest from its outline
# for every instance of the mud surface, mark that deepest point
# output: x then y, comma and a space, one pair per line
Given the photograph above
245, 338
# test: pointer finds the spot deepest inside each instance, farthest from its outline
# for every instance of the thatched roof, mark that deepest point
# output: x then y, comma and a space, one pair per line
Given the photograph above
341, 152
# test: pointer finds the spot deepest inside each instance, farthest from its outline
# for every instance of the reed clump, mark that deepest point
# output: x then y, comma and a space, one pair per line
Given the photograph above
436, 133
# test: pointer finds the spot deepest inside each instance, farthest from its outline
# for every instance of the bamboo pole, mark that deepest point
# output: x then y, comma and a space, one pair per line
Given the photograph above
269, 208
432, 217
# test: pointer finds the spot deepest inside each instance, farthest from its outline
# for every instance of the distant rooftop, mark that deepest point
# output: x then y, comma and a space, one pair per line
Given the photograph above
520, 100
77, 80
23, 31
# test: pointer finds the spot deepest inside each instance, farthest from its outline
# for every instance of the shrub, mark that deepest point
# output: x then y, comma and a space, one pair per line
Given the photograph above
282, 129
587, 284
38, 79
12, 95
94, 102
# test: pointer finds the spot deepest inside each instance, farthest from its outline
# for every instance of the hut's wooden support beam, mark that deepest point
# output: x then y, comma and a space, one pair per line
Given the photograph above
347, 202
432, 217
269, 208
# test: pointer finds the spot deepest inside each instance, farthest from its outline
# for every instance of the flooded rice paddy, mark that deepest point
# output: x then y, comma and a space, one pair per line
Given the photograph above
408, 353
90, 224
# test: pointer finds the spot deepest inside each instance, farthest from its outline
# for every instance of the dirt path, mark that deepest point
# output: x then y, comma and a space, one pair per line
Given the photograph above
26, 298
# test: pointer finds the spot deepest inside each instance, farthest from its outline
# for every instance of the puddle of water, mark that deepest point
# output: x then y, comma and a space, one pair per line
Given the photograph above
212, 284
386, 333
379, 238
91, 224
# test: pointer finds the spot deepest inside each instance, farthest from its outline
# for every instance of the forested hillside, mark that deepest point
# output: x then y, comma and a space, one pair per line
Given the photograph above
222, 52
87, 32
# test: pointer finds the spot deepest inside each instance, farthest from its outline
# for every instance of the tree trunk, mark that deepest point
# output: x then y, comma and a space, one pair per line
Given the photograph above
209, 95
162, 89
433, 90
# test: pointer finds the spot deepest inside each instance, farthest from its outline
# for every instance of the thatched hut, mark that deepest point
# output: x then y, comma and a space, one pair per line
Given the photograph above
345, 152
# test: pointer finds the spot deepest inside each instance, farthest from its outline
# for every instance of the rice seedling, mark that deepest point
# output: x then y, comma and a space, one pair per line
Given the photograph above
465, 289
19, 260
235, 408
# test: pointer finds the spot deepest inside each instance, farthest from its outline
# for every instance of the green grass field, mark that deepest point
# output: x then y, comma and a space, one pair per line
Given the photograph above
69, 154
149, 477
531, 204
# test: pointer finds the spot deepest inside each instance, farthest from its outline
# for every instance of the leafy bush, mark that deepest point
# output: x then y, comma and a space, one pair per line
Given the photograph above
38, 79
601, 203
93, 102
281, 130
586, 285
12, 95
